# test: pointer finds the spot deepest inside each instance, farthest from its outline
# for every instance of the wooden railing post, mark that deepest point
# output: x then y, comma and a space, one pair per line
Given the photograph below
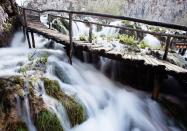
90, 33
168, 40
70, 37
49, 21
25, 18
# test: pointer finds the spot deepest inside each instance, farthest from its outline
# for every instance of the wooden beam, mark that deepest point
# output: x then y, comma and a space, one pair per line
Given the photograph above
156, 87
70, 38
168, 41
33, 41
125, 28
155, 23
49, 20
25, 18
90, 33
28, 39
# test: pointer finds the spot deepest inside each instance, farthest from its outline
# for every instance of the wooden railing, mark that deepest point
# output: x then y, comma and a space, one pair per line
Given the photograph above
71, 19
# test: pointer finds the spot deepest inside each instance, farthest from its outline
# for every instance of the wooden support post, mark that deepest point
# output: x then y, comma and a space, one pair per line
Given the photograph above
90, 33
156, 87
168, 40
24, 30
33, 41
28, 39
70, 38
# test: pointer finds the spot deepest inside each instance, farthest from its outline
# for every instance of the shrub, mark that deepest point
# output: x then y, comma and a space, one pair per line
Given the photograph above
128, 40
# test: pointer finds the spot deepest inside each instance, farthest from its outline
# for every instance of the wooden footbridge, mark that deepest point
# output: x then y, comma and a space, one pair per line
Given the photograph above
30, 19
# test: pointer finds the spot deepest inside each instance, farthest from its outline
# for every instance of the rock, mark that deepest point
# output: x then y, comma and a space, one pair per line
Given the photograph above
13, 88
10, 120
7, 21
75, 110
47, 121
151, 42
61, 25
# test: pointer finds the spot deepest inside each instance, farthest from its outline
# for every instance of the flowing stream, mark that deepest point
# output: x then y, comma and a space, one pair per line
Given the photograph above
110, 106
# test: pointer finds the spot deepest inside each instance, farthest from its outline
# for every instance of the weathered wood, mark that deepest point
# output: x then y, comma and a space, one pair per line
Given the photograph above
49, 20
168, 41
70, 38
28, 39
155, 23
156, 87
33, 41
24, 18
126, 28
90, 33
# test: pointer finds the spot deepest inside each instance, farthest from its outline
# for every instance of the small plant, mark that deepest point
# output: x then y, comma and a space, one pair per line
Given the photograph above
128, 40
126, 22
82, 38
143, 45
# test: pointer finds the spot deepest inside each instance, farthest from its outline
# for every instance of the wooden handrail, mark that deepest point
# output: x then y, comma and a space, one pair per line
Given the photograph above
126, 28
154, 23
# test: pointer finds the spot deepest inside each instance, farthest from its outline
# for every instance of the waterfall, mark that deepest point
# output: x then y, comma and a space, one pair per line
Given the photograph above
110, 31
24, 108
109, 106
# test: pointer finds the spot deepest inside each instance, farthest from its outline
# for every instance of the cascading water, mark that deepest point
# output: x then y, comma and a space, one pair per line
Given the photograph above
109, 106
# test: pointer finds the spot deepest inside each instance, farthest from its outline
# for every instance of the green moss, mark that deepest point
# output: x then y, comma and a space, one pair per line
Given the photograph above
7, 26
8, 88
17, 126
60, 26
82, 38
128, 40
143, 45
75, 110
22, 129
47, 121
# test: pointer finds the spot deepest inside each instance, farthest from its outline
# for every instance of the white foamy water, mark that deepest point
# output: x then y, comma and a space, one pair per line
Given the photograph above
109, 106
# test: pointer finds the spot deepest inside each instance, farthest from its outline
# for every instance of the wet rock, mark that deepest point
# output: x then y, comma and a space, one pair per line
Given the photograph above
47, 121
75, 110
7, 21
10, 120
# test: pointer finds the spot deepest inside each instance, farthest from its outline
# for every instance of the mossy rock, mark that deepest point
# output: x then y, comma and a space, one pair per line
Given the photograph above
60, 25
18, 126
47, 121
8, 89
74, 109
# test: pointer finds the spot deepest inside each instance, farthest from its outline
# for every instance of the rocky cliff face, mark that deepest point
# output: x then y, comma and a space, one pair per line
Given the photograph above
7, 20
172, 11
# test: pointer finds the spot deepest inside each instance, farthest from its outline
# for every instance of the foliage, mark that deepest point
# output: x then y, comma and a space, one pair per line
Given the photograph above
7, 26
126, 22
128, 40
47, 121
75, 110
16, 126
143, 45
82, 38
